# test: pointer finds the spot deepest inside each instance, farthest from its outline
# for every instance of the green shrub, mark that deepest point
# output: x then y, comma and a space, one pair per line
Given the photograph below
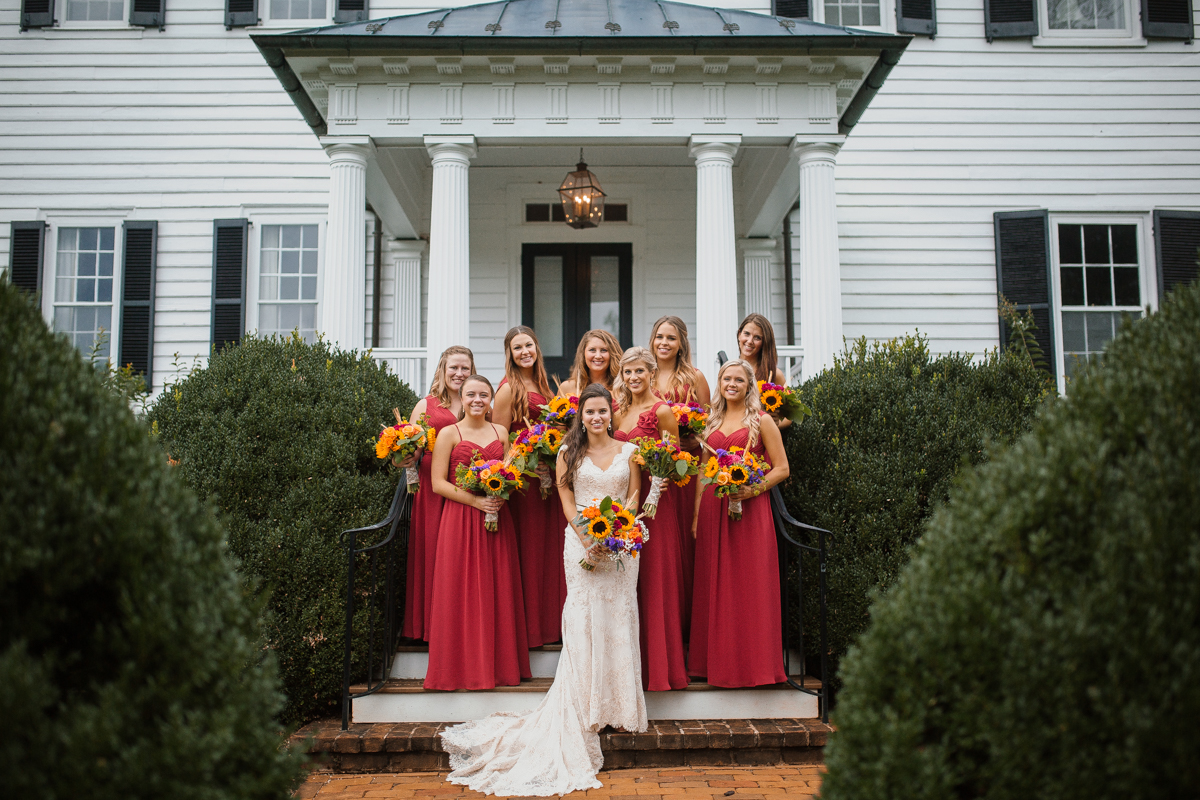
279, 434
129, 657
891, 426
1045, 640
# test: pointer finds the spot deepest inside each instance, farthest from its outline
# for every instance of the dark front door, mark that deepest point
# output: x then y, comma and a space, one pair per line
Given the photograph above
569, 289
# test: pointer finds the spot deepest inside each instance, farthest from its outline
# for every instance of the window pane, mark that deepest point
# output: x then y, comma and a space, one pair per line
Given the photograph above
1124, 244
850, 16
1095, 244
1071, 279
104, 290
606, 294
1125, 284
280, 9
1099, 330
1099, 290
308, 262
289, 261
309, 239
537, 212
1087, 14
269, 287
870, 14
87, 238
270, 236
289, 288
287, 252
308, 289
547, 304
1074, 338
291, 236
1070, 244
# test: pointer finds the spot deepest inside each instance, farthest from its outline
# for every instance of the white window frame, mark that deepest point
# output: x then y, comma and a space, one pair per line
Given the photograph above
254, 262
887, 16
1147, 279
1129, 36
88, 24
292, 22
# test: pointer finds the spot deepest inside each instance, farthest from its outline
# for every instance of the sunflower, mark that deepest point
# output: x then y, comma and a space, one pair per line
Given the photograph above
494, 484
599, 528
553, 438
738, 474
624, 519
432, 434
559, 404
712, 468
684, 481
771, 401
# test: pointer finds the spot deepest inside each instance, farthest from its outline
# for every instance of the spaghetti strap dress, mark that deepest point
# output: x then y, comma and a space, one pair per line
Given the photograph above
661, 601
477, 625
737, 638
686, 509
539, 525
422, 535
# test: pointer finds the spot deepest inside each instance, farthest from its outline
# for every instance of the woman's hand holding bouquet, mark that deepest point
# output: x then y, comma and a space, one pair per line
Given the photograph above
402, 443
732, 471
663, 459
782, 402
613, 528
536, 447
491, 479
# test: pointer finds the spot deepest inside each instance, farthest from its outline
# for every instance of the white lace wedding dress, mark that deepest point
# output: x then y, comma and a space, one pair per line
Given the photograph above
555, 749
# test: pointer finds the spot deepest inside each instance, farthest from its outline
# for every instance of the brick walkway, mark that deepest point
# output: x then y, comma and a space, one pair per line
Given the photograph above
737, 783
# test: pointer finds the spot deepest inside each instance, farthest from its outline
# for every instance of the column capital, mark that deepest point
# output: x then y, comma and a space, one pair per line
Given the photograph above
348, 149
407, 248
451, 148
708, 148
816, 148
756, 245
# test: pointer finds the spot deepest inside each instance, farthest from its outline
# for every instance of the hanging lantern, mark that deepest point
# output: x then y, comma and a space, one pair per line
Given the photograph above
582, 198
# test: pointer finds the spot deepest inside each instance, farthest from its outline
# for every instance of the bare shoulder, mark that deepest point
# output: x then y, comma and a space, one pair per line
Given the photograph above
501, 431
420, 408
567, 389
779, 378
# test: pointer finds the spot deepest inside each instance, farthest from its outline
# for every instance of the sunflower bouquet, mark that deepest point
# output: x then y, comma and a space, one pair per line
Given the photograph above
730, 470
691, 418
663, 459
782, 402
560, 411
536, 445
614, 528
489, 477
402, 441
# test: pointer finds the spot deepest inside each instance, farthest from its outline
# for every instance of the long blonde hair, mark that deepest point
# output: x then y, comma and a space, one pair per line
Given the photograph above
683, 374
512, 373
768, 356
716, 415
580, 374
440, 388
622, 392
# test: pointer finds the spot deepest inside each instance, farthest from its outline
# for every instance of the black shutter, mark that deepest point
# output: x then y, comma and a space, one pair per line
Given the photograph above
795, 9
148, 13
916, 16
1167, 19
241, 13
1176, 248
229, 281
37, 14
1009, 19
350, 11
26, 248
1023, 272
140, 258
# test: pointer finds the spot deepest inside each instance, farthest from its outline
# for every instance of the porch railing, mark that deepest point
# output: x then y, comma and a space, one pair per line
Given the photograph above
379, 562
408, 363
791, 361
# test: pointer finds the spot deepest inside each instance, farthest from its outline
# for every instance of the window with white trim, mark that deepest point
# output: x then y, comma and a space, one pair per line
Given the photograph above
95, 10
84, 278
852, 13
289, 258
1083, 21
298, 9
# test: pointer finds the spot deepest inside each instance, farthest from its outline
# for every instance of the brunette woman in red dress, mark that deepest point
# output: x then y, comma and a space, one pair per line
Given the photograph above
756, 346
443, 407
678, 381
596, 361
477, 626
661, 600
737, 638
540, 521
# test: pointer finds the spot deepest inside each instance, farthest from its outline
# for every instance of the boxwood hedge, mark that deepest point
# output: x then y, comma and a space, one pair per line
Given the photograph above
1045, 640
278, 433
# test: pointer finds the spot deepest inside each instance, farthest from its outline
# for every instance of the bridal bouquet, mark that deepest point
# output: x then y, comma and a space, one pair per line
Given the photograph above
560, 412
782, 402
691, 418
538, 445
615, 528
402, 441
730, 470
492, 478
663, 459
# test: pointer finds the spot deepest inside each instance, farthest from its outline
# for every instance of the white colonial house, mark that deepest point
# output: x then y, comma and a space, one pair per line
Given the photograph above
181, 173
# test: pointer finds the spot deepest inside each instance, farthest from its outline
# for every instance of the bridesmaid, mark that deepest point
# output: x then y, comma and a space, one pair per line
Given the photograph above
443, 406
737, 638
595, 362
756, 346
477, 627
661, 600
540, 522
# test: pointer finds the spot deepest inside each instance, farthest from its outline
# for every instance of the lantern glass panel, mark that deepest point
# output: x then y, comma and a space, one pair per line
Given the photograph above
582, 198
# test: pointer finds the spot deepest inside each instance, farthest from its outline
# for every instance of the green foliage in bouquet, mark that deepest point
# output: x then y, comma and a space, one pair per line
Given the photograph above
130, 663
1043, 642
280, 435
892, 424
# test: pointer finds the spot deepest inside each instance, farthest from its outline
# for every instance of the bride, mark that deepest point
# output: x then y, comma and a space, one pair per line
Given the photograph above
555, 749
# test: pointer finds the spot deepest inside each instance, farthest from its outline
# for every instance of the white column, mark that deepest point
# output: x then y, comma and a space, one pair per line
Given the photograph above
344, 278
819, 262
756, 264
716, 252
406, 255
449, 245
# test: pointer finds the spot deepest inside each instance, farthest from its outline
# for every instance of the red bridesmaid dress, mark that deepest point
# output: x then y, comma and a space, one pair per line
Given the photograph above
477, 624
737, 636
686, 506
661, 601
422, 535
540, 525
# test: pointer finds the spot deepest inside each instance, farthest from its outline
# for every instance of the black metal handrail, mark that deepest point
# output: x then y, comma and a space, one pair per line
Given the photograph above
382, 610
788, 546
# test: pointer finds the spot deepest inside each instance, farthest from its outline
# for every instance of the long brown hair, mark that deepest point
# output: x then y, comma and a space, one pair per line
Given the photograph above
768, 356
462, 413
633, 355
439, 388
512, 373
683, 374
576, 441
581, 376
716, 414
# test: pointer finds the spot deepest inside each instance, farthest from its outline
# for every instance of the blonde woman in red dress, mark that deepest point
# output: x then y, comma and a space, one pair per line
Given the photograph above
736, 636
477, 628
596, 361
539, 520
443, 407
661, 598
756, 346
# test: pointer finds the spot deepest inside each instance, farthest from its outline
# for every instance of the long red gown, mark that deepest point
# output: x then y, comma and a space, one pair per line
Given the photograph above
661, 601
687, 509
477, 626
540, 525
737, 637
422, 535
